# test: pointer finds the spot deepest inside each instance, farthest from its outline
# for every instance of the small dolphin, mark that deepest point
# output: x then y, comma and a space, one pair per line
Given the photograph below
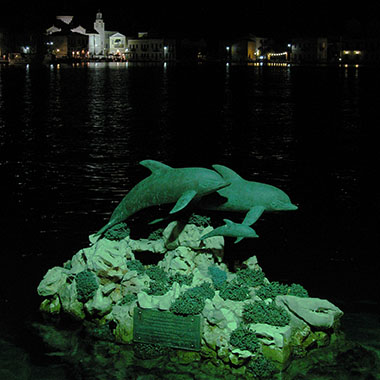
231, 229
164, 186
247, 196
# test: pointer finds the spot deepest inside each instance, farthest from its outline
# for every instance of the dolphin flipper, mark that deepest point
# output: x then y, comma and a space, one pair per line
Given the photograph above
253, 214
183, 201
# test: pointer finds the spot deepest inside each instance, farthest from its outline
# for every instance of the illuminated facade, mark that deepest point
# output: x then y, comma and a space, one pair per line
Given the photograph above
145, 49
248, 49
103, 42
67, 39
308, 50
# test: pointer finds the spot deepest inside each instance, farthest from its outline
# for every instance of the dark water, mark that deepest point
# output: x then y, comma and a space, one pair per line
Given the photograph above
71, 138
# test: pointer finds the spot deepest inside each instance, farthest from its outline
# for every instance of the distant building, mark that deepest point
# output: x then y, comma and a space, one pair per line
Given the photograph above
309, 50
66, 38
146, 49
103, 42
248, 49
118, 45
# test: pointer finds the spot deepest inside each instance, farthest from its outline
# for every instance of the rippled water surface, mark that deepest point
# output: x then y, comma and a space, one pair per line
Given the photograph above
71, 138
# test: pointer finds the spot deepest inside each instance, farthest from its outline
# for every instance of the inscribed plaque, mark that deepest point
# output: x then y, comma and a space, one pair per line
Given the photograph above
167, 329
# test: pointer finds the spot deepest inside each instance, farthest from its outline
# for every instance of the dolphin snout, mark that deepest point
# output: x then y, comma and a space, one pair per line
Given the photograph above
292, 207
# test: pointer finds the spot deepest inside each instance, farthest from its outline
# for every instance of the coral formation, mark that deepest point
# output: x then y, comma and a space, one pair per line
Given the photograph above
262, 312
117, 232
245, 339
87, 285
218, 276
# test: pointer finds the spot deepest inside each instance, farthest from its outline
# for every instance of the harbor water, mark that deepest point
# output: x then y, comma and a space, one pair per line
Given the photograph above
72, 137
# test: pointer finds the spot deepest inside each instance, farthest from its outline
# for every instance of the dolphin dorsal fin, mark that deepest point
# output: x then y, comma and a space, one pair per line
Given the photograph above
227, 173
153, 165
228, 222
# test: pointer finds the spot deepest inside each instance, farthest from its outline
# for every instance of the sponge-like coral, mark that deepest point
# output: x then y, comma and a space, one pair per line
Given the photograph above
261, 367
218, 276
250, 277
275, 288
117, 232
193, 300
87, 284
261, 312
245, 339
234, 291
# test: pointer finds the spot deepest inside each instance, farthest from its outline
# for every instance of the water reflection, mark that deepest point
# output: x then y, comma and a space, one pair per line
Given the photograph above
72, 137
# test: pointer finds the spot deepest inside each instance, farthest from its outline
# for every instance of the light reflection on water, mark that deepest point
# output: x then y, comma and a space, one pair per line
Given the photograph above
72, 137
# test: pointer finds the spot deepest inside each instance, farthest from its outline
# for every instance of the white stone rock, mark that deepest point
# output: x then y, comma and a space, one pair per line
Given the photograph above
69, 301
99, 305
190, 236
145, 245
51, 305
124, 323
129, 275
242, 353
108, 261
252, 263
199, 278
272, 335
108, 289
202, 262
164, 302
79, 262
53, 281
134, 284
314, 311
212, 243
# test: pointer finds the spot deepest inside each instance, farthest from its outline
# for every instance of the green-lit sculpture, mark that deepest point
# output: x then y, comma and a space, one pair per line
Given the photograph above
247, 196
231, 229
221, 189
164, 186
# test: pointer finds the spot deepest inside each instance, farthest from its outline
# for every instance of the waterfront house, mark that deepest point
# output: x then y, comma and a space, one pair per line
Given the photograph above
308, 50
246, 49
151, 49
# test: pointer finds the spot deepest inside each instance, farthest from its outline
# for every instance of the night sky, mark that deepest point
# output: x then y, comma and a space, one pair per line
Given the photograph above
197, 18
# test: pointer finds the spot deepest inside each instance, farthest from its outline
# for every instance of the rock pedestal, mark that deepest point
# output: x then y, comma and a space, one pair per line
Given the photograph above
251, 326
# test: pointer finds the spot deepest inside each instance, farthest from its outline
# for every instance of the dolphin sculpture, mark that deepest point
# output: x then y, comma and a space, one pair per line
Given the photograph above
250, 197
231, 229
166, 185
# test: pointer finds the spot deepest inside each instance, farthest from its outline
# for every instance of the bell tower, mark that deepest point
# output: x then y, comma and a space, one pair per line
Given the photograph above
99, 23
100, 40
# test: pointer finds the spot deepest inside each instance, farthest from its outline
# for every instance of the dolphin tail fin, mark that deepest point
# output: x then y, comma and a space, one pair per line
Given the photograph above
252, 215
205, 236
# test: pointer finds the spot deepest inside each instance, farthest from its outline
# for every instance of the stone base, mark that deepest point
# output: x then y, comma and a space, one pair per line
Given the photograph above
112, 284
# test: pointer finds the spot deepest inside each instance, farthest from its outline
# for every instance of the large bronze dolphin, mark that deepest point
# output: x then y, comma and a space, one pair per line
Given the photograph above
250, 197
164, 186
